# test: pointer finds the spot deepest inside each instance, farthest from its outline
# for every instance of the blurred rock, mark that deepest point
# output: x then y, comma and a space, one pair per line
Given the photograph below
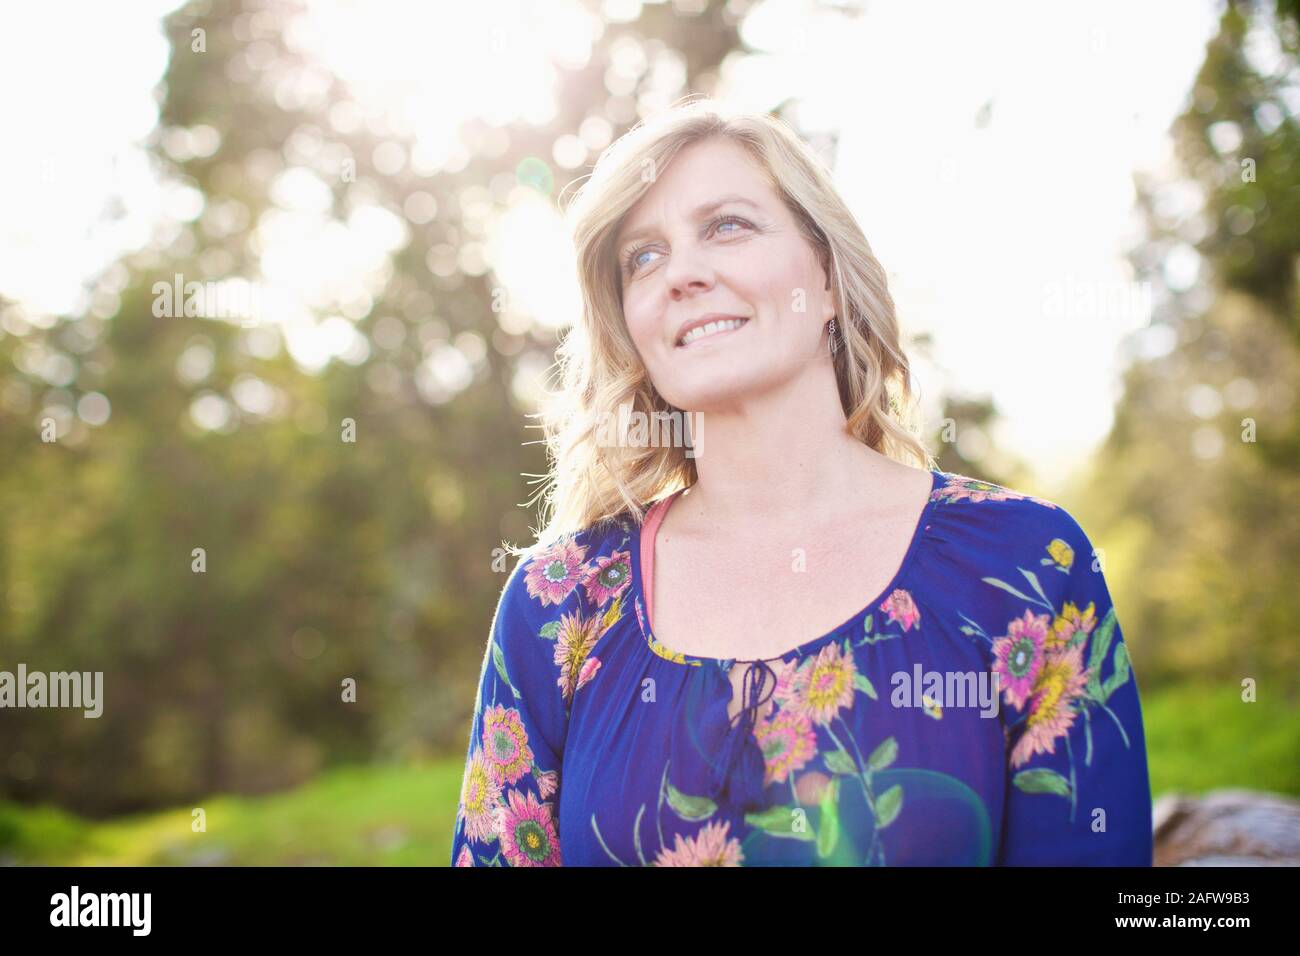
1227, 828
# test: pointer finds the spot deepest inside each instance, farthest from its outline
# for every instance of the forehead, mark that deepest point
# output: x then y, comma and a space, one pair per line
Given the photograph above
699, 178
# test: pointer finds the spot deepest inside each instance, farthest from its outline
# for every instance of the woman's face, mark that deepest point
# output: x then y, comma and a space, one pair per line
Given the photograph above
711, 236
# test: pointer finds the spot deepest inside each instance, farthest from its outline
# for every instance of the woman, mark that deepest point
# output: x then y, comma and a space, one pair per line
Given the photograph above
699, 682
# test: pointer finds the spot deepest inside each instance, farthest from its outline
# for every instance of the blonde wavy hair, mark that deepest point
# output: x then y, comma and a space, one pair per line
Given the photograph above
601, 371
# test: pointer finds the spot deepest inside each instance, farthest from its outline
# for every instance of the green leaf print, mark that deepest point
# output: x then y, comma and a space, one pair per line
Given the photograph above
840, 761
1033, 582
869, 638
779, 821
1100, 645
1120, 675
603, 845
690, 807
549, 630
861, 683
499, 661
828, 819
884, 755
888, 804
1042, 781
1007, 587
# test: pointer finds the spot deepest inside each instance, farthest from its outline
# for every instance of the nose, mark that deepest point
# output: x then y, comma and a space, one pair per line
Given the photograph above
688, 270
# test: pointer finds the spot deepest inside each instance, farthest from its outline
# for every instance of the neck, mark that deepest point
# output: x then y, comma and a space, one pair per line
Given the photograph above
785, 455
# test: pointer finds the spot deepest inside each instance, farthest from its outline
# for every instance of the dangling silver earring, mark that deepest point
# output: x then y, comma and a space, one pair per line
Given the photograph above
830, 330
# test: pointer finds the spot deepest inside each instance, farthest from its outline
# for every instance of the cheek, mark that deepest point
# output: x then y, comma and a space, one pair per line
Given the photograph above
765, 288
793, 294
792, 290
641, 323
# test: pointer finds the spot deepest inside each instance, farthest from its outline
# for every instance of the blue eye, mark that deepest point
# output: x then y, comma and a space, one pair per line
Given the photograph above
630, 262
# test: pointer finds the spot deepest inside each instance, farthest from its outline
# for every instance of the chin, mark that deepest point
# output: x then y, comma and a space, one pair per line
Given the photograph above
716, 398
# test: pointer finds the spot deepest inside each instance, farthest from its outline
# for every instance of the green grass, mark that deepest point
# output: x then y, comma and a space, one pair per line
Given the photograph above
1203, 737
359, 816
1198, 738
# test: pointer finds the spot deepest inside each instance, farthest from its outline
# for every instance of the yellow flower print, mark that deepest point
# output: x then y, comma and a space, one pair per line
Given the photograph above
1061, 553
574, 639
1072, 624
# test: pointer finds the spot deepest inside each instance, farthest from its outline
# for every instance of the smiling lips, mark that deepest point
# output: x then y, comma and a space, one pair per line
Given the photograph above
715, 327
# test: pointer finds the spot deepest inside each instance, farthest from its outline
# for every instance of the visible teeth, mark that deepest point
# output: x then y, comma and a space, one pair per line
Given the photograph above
702, 330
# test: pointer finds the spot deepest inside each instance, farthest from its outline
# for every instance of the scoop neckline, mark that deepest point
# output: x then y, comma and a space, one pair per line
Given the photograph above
800, 650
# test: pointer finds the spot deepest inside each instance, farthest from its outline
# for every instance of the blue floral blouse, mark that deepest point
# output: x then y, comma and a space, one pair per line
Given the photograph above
981, 711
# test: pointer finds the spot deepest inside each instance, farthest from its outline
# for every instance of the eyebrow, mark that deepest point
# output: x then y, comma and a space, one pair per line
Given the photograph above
625, 237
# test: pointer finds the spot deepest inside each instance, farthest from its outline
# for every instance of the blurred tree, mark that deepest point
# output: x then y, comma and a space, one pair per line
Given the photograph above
966, 443
324, 558
1195, 489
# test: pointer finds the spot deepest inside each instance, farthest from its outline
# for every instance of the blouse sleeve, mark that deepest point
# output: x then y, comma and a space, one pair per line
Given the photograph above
507, 814
1078, 792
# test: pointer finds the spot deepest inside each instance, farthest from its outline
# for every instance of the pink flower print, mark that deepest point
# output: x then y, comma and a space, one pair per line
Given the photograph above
575, 637
960, 487
810, 786
1060, 683
788, 742
480, 795
712, 846
900, 607
607, 577
784, 693
505, 744
589, 668
528, 836
1019, 655
465, 858
547, 783
554, 572
640, 617
823, 684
